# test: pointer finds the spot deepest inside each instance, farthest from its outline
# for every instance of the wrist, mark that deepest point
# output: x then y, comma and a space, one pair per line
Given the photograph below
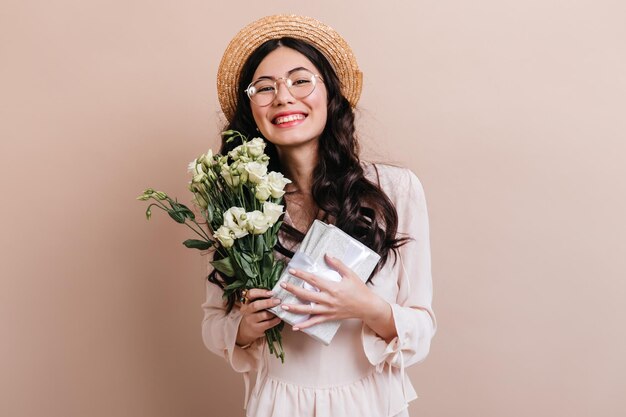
378, 309
246, 346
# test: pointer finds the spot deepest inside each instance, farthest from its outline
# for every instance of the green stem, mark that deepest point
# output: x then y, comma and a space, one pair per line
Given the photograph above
201, 229
163, 207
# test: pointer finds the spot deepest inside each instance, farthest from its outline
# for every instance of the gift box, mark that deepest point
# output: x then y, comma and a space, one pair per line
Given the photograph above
322, 239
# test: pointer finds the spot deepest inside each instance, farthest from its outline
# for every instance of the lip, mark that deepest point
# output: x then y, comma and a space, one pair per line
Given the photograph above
288, 113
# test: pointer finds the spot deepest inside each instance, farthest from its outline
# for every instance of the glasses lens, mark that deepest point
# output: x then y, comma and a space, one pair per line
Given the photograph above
262, 91
302, 83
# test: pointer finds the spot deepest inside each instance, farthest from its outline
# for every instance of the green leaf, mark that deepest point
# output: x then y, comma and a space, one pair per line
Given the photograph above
276, 271
209, 211
259, 246
225, 267
182, 210
246, 257
247, 268
266, 265
234, 285
197, 244
178, 217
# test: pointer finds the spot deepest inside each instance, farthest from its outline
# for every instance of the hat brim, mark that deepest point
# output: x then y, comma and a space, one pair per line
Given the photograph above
321, 36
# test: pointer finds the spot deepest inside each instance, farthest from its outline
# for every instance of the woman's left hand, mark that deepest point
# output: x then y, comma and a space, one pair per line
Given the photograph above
349, 298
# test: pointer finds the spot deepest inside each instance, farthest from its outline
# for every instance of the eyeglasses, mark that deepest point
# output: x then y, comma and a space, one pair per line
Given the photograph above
300, 83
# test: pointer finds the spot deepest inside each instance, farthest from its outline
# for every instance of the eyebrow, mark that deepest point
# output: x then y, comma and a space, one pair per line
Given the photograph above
269, 77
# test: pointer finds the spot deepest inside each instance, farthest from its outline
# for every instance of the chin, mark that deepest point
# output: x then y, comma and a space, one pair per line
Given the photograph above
292, 139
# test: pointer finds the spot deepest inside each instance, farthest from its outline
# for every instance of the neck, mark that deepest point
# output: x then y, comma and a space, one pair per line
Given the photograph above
298, 164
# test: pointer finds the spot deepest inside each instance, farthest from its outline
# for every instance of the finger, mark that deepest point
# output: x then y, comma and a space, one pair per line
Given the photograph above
315, 281
305, 308
303, 294
256, 293
263, 315
263, 304
338, 266
320, 318
268, 324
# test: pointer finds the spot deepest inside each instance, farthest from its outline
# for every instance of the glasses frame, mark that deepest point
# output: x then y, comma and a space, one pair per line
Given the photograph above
288, 83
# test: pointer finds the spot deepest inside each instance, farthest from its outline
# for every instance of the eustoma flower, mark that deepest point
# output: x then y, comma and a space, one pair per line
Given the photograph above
277, 183
240, 203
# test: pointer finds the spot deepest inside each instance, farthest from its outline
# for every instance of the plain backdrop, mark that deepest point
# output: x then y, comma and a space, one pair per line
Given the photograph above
512, 113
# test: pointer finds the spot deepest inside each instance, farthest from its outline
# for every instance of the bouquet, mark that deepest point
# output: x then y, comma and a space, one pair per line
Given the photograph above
239, 202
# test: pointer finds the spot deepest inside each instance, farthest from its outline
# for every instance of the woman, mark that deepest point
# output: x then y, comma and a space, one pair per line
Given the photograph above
293, 81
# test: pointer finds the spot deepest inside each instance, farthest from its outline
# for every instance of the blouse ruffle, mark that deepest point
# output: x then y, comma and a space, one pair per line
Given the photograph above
363, 398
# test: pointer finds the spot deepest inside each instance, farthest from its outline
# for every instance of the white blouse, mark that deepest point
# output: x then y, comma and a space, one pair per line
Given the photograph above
359, 373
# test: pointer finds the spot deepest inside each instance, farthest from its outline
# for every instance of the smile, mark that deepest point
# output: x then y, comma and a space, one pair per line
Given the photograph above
288, 118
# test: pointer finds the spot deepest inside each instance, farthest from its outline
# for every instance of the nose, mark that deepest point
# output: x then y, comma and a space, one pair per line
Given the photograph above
283, 95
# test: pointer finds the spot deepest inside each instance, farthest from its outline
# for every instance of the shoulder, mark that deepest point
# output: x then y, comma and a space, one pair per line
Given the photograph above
397, 182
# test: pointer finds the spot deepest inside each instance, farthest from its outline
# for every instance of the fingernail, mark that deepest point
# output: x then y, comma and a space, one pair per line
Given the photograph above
285, 307
269, 293
292, 271
295, 329
282, 284
276, 301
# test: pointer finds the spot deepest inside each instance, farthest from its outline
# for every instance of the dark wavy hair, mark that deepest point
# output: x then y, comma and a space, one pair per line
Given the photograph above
358, 206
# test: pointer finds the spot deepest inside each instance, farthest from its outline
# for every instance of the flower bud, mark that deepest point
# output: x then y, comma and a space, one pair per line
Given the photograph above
262, 192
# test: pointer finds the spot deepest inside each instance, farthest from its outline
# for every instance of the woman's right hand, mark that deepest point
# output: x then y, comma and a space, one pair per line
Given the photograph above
256, 320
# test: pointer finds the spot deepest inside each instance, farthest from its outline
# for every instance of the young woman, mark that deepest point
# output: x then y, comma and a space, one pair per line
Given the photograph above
293, 81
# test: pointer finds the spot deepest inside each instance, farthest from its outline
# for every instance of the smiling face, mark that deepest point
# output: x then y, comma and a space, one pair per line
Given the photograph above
287, 121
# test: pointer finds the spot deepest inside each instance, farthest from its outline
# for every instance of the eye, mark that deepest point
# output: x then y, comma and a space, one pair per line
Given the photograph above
301, 81
263, 87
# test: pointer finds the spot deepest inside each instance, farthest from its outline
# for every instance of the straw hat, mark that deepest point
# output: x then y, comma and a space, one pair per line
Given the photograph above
322, 37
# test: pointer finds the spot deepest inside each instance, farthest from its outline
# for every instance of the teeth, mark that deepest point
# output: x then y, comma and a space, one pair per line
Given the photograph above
290, 118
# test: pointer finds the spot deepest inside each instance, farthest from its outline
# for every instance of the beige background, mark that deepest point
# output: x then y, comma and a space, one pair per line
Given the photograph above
511, 112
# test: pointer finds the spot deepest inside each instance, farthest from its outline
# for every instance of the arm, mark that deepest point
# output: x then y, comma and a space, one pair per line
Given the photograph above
219, 332
411, 313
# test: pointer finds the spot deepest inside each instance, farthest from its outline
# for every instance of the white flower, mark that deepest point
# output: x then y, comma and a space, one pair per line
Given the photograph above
256, 222
234, 154
277, 182
239, 168
256, 172
235, 221
195, 168
224, 235
199, 178
231, 178
192, 166
272, 211
239, 154
256, 147
200, 201
263, 159
262, 191
206, 159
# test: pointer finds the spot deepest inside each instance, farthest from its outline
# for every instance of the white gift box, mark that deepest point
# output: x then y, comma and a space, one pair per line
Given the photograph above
322, 239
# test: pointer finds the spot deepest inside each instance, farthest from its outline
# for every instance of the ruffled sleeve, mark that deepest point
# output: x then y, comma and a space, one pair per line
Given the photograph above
412, 311
219, 333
